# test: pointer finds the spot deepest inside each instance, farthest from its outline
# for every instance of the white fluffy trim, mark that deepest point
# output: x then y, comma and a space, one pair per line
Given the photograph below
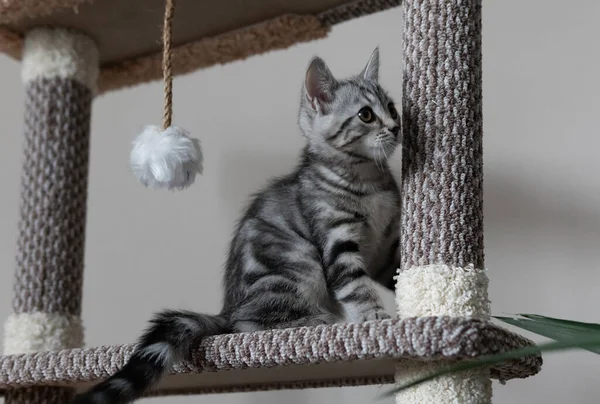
169, 159
35, 332
55, 52
434, 290
471, 387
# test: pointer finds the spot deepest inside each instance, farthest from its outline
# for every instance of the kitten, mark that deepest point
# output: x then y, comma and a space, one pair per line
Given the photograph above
310, 246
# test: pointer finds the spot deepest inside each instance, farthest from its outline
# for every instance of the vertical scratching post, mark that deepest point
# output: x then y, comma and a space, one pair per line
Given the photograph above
59, 72
442, 269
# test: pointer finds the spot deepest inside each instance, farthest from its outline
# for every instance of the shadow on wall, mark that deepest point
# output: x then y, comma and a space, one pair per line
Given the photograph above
539, 238
289, 397
514, 206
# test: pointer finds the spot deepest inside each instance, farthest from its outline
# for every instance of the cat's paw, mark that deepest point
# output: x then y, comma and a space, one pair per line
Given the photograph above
374, 314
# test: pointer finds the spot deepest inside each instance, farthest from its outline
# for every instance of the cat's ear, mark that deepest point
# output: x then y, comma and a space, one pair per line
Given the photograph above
371, 70
319, 84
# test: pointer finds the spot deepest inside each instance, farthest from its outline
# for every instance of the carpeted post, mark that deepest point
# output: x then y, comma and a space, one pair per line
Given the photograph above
442, 270
59, 72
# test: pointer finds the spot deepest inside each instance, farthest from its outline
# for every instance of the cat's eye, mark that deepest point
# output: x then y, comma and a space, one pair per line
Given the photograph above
393, 112
366, 115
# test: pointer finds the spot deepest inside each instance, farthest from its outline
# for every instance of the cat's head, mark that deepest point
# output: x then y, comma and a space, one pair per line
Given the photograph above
351, 118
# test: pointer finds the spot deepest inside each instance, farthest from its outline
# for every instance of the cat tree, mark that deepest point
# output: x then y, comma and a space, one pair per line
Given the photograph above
74, 50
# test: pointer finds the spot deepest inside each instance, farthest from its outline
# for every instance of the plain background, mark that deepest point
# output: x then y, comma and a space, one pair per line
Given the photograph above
148, 250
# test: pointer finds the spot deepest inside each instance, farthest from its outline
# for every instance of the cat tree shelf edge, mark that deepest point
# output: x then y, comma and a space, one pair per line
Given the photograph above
308, 357
127, 33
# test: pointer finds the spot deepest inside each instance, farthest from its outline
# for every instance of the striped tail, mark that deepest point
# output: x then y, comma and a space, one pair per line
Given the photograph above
167, 341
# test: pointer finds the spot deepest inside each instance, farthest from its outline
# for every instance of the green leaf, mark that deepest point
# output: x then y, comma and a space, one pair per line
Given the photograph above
575, 325
556, 329
584, 342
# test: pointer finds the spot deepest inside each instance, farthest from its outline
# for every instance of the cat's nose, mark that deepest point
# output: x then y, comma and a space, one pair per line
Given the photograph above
395, 130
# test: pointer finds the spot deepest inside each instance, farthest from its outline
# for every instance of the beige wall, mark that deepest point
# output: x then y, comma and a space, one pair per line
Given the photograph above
542, 191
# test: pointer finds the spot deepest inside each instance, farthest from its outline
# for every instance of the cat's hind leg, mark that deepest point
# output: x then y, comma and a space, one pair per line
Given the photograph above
294, 295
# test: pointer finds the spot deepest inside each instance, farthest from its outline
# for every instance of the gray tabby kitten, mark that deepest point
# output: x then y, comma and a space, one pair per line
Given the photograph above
310, 245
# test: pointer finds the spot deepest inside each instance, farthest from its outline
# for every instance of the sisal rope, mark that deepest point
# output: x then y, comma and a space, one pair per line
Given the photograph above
166, 63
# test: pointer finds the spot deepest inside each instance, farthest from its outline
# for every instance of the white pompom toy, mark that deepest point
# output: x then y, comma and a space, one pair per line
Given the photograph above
167, 159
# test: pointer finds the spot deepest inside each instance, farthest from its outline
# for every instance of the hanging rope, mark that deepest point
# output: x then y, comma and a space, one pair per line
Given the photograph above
166, 157
166, 63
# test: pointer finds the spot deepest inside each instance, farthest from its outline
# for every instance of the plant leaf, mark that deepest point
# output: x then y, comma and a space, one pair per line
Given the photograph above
576, 325
556, 329
587, 342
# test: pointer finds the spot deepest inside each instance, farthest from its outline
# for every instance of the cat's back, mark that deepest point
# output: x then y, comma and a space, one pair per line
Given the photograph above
274, 211
278, 201
271, 227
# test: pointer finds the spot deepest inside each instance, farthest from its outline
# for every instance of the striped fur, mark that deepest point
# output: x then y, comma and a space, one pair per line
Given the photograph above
310, 245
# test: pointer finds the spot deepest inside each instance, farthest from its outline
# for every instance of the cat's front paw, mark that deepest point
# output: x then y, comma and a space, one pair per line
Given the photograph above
370, 315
